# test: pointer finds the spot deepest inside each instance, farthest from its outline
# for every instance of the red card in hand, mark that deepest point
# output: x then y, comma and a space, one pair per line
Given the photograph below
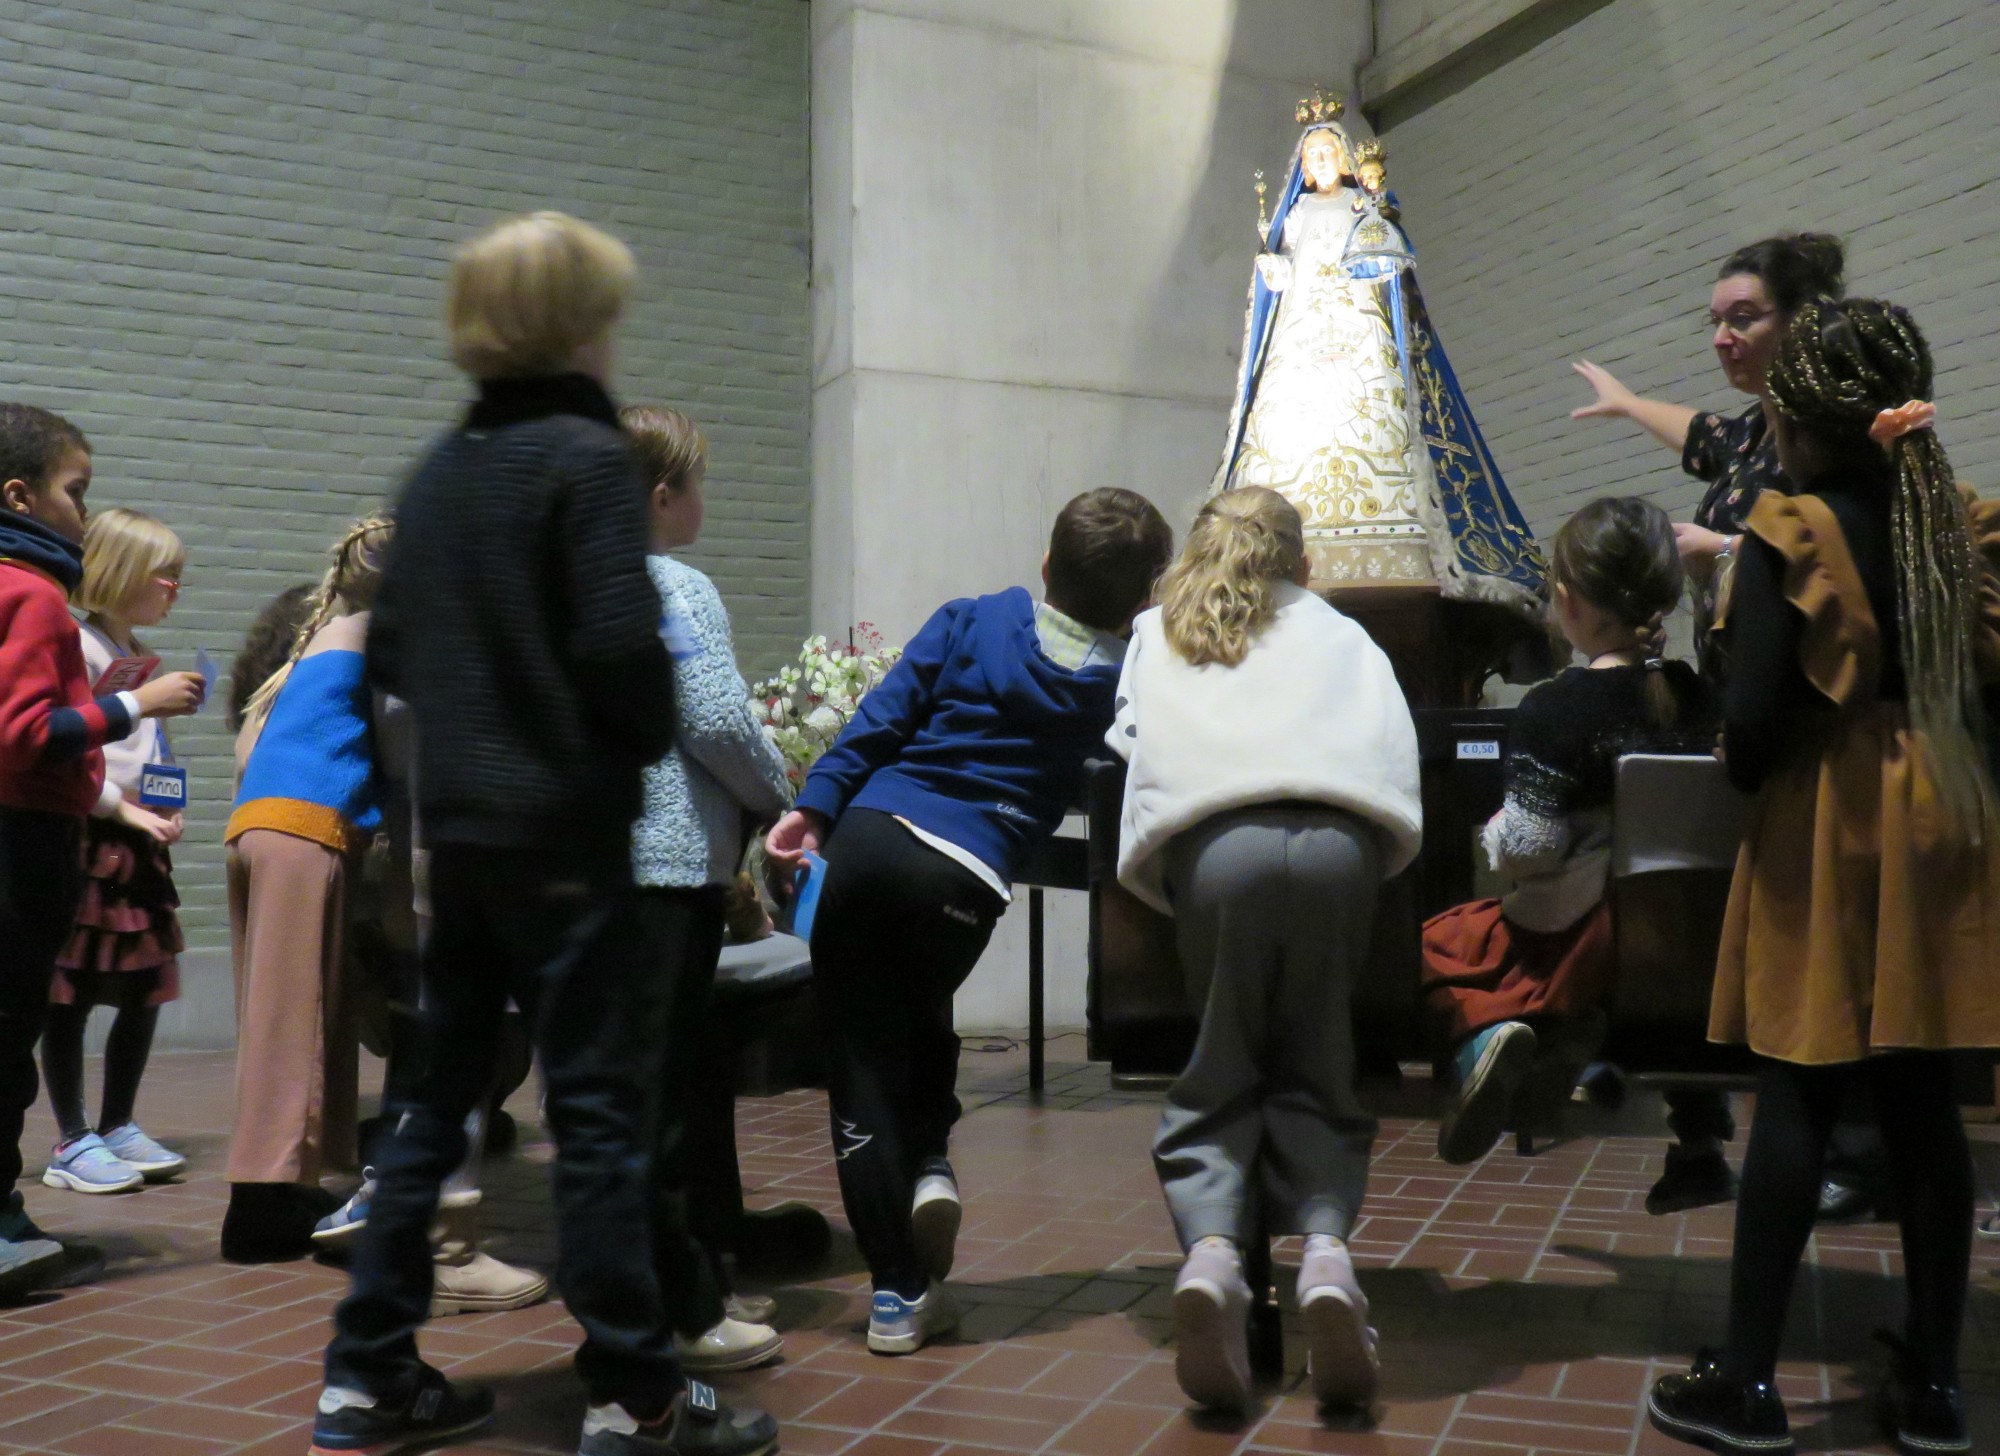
124, 674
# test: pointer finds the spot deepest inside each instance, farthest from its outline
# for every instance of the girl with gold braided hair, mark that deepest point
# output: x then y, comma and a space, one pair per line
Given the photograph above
1862, 940
307, 805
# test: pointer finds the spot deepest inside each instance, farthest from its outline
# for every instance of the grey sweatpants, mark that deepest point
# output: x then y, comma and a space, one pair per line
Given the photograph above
1272, 907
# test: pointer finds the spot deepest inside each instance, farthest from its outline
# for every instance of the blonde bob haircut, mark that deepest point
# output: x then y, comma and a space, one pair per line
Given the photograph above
122, 551
670, 446
528, 292
1224, 587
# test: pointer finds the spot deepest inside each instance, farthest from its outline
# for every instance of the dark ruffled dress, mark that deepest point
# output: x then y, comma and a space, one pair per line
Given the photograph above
127, 924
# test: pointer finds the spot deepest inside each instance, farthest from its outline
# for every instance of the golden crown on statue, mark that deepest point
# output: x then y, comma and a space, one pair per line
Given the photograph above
1319, 108
1370, 149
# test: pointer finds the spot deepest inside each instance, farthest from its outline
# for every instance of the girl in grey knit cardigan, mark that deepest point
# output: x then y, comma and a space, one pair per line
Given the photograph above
686, 845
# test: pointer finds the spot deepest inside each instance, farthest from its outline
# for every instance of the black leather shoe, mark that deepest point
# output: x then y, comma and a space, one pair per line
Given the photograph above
1692, 1180
1708, 1408
269, 1222
790, 1236
1925, 1420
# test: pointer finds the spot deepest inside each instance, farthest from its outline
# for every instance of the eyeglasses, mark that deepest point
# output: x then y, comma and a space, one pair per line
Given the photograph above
1739, 321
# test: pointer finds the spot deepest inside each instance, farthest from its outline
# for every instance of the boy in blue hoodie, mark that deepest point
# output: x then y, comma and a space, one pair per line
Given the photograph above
958, 762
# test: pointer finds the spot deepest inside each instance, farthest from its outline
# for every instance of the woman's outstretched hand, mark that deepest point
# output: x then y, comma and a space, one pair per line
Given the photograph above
1613, 399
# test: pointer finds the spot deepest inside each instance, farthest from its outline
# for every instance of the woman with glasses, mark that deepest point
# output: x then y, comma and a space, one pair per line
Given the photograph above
1756, 293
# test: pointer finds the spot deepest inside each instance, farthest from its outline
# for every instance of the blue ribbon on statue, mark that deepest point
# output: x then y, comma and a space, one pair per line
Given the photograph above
1476, 500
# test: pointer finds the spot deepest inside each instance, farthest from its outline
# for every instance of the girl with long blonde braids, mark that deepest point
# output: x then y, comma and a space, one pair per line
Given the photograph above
1273, 786
307, 802
1859, 947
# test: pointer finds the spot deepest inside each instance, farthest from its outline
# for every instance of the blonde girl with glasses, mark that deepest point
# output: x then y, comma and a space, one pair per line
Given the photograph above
123, 948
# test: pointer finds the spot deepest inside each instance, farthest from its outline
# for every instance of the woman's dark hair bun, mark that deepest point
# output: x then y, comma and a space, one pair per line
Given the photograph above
1795, 267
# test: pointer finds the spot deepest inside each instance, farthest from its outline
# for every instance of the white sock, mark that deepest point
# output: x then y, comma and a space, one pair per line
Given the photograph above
1325, 1244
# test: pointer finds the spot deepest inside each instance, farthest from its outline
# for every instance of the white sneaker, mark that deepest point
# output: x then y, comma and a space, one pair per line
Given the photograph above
935, 1214
731, 1345
1340, 1347
899, 1326
1212, 1327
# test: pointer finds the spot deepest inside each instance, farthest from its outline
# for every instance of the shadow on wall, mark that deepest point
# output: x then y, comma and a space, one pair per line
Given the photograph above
1215, 237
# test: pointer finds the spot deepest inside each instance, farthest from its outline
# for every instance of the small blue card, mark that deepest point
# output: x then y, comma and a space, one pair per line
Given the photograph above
162, 786
805, 896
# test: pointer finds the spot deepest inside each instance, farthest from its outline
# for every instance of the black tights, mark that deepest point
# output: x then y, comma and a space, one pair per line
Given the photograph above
125, 1054
1932, 1165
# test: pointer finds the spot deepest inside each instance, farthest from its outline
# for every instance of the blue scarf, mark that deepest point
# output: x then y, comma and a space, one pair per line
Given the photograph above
23, 538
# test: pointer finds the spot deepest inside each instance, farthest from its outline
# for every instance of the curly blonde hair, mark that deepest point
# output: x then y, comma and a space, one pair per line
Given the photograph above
1222, 588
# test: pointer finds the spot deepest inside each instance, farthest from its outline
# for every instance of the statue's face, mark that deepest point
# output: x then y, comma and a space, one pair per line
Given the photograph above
1371, 176
1323, 158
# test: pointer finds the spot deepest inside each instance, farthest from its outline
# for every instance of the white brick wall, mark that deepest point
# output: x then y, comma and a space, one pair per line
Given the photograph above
224, 226
1577, 201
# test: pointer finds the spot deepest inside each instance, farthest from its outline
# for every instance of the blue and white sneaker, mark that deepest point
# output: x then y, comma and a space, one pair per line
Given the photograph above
130, 1145
27, 1265
337, 1229
86, 1165
899, 1326
354, 1423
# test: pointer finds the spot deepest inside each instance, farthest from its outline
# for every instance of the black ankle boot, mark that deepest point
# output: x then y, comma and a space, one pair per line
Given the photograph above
267, 1222
790, 1236
1708, 1408
1695, 1178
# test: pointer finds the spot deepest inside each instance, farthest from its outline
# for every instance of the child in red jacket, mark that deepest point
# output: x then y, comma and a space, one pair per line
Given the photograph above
52, 733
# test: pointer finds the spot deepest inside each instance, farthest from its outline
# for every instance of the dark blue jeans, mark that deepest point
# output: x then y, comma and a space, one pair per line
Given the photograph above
566, 943
41, 880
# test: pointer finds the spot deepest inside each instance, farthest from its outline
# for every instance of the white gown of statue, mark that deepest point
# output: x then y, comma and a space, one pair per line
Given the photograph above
1346, 405
1332, 424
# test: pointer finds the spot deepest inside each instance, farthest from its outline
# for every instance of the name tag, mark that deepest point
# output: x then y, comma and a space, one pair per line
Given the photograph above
1488, 748
162, 786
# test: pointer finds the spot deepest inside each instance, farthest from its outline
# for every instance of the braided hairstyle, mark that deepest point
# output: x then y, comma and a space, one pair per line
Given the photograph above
348, 586
1841, 366
1618, 554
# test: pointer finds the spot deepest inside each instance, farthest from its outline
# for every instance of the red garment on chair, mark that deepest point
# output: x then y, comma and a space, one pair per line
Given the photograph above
1480, 969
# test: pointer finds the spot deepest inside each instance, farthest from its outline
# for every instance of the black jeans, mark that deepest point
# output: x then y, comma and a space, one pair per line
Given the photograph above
41, 881
1797, 1108
899, 928
564, 940
683, 930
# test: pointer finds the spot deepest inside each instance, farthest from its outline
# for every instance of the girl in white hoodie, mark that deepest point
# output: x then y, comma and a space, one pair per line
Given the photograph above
1273, 787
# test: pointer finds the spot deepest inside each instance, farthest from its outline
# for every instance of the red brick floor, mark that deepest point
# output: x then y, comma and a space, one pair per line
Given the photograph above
1524, 1304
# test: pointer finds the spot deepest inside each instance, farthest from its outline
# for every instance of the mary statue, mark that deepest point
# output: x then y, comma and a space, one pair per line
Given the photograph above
1346, 405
